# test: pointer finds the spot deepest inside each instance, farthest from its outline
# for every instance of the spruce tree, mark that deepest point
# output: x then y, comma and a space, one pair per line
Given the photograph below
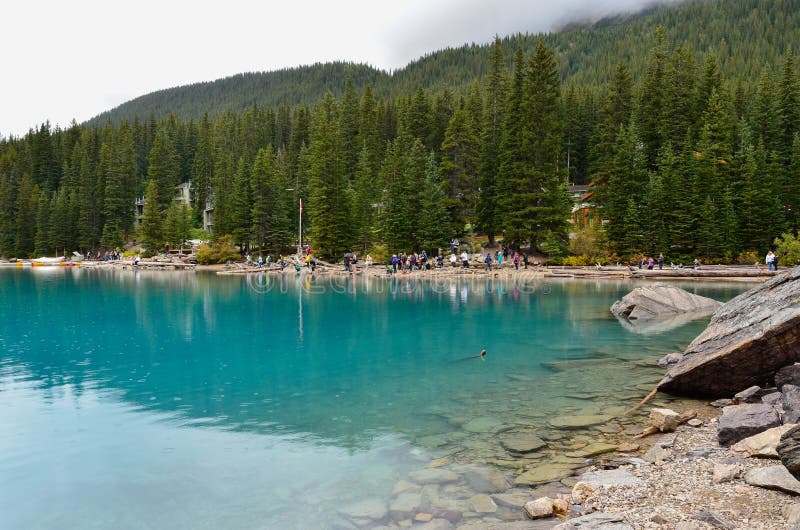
240, 205
366, 199
164, 168
329, 203
615, 113
788, 110
548, 214
491, 137
151, 229
652, 99
25, 220
459, 170
348, 129
434, 221
203, 168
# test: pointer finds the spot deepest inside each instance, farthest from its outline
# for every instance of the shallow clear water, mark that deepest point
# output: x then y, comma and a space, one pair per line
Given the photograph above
182, 400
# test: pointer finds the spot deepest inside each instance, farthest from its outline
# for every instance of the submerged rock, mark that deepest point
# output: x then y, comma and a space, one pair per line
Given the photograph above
432, 476
747, 341
542, 474
522, 442
579, 422
485, 479
372, 509
482, 503
660, 301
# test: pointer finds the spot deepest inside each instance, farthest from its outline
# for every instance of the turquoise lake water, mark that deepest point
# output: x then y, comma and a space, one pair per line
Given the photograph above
187, 400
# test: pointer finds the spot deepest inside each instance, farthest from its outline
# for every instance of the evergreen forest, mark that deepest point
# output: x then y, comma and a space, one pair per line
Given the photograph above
684, 119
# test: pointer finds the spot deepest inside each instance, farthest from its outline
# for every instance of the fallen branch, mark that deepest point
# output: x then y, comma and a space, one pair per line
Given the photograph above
647, 398
683, 418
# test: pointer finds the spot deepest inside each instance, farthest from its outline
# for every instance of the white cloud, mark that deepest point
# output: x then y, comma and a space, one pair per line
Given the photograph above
76, 59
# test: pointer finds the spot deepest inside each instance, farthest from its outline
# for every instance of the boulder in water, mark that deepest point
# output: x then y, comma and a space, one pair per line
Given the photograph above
662, 301
747, 341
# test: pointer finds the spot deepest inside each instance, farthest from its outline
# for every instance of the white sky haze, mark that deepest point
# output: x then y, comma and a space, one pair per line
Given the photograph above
74, 59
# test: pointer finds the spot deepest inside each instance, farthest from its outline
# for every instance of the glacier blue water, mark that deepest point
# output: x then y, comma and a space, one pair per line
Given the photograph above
182, 400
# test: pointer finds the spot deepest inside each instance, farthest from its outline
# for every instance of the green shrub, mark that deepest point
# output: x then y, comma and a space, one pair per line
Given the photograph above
787, 247
379, 254
577, 261
221, 251
748, 258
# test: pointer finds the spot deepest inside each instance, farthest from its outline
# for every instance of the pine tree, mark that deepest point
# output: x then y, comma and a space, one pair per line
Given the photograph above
434, 221
43, 242
633, 232
240, 205
487, 218
657, 240
151, 229
365, 201
395, 226
550, 210
368, 136
679, 106
628, 181
766, 116
329, 204
349, 119
164, 168
652, 99
792, 184
615, 114
788, 110
514, 168
203, 168
25, 220
459, 170
177, 224
417, 118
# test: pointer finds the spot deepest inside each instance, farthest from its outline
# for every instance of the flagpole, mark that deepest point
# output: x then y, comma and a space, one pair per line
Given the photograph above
300, 231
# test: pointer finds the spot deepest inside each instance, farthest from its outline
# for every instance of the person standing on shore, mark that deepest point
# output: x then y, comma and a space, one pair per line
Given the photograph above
770, 260
660, 261
500, 260
488, 261
516, 260
465, 259
525, 260
453, 259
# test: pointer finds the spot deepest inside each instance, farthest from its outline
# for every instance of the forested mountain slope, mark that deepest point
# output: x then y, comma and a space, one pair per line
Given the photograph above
745, 35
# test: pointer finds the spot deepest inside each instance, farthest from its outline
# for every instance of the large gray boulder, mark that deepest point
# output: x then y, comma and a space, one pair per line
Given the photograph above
662, 301
747, 341
790, 398
788, 375
743, 421
789, 450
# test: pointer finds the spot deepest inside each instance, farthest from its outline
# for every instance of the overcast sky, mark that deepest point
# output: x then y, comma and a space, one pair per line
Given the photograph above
74, 59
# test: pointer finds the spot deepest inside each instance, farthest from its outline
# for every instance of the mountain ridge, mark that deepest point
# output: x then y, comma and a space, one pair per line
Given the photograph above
586, 52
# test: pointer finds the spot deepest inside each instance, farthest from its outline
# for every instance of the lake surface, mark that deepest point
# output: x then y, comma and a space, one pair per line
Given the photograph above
187, 400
